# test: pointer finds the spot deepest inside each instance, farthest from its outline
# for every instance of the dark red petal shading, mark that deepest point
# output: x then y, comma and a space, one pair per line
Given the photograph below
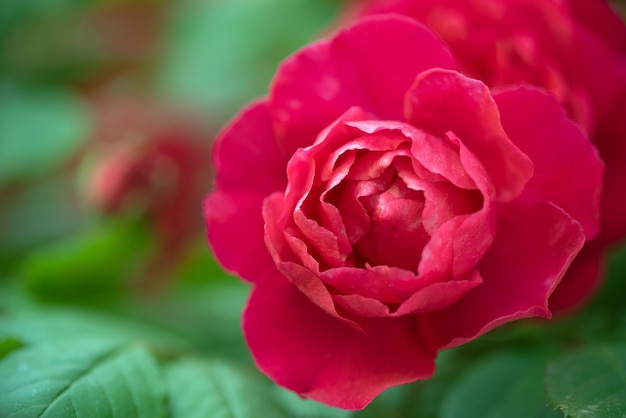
306, 350
613, 151
235, 231
365, 65
246, 156
602, 21
580, 282
525, 264
559, 150
442, 101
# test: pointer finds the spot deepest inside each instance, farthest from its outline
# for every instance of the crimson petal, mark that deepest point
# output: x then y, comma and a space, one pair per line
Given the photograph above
308, 351
365, 65
235, 231
525, 264
442, 101
246, 156
538, 125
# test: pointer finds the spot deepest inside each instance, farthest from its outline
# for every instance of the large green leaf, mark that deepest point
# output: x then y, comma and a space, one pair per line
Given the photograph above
81, 378
34, 325
201, 388
39, 129
502, 385
590, 382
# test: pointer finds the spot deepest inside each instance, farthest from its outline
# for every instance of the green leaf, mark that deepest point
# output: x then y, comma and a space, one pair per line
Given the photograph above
81, 378
9, 344
209, 314
508, 385
590, 382
610, 295
306, 408
88, 267
202, 388
39, 129
39, 325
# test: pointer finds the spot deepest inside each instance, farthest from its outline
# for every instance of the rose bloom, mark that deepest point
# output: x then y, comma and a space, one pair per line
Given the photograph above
574, 48
386, 207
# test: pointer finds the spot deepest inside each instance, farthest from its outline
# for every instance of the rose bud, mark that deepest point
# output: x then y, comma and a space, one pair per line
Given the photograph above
151, 160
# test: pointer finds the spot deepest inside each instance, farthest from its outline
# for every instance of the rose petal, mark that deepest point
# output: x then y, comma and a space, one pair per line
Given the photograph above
362, 306
246, 156
525, 264
438, 155
235, 231
439, 295
387, 284
537, 124
431, 297
306, 350
601, 20
365, 65
440, 101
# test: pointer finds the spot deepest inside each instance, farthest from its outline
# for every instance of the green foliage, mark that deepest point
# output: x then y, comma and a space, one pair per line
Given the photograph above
590, 382
8, 344
303, 408
39, 130
37, 216
32, 325
81, 378
62, 362
201, 388
90, 266
223, 53
508, 384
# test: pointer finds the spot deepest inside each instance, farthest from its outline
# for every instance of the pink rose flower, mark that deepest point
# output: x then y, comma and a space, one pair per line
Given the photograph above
386, 207
574, 48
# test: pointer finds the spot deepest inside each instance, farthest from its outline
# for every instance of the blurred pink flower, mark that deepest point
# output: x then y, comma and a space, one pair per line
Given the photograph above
152, 160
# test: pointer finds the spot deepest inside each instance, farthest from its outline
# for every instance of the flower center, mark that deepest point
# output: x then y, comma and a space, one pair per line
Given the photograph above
396, 235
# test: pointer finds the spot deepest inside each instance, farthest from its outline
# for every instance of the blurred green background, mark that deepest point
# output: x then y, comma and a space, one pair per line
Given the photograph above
107, 113
108, 109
